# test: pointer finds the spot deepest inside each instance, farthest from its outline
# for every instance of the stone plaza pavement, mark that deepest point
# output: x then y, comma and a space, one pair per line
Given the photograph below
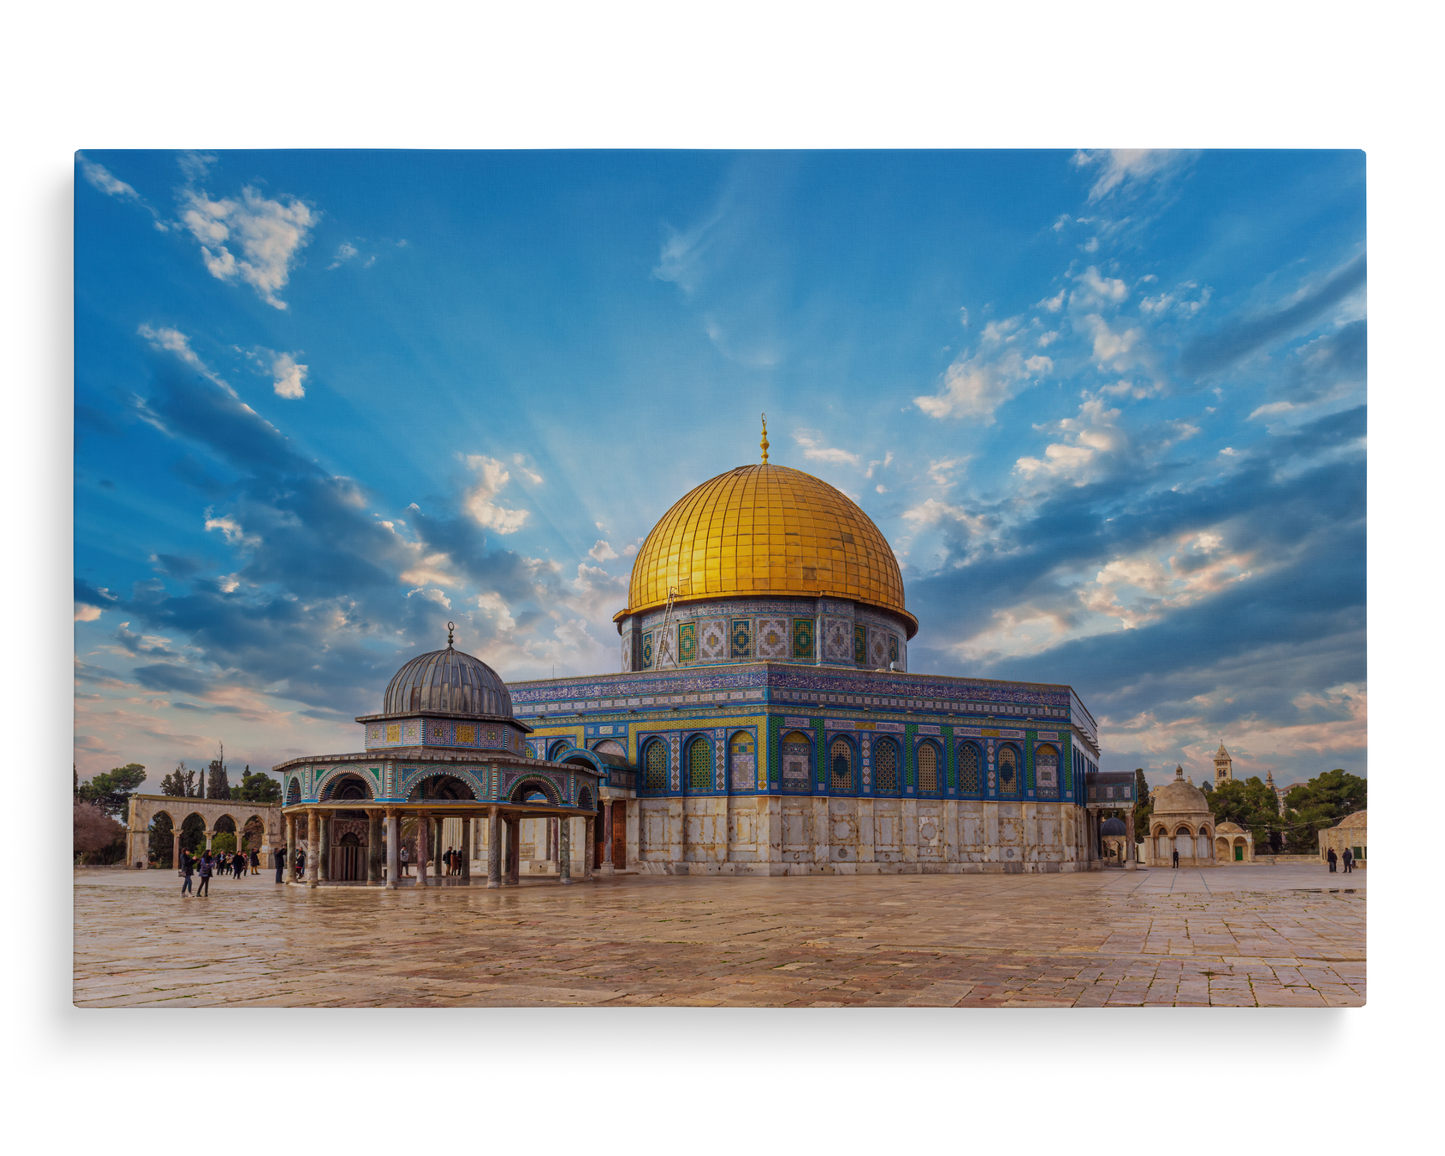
1253, 936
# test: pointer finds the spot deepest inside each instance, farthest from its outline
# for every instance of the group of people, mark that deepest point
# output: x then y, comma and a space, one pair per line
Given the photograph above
233, 863
452, 862
1347, 859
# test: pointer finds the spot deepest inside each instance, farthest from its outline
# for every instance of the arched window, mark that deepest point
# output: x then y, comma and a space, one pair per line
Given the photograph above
840, 765
654, 766
742, 760
610, 747
968, 769
927, 756
797, 751
584, 799
1008, 771
557, 748
699, 765
293, 792
885, 766
1046, 769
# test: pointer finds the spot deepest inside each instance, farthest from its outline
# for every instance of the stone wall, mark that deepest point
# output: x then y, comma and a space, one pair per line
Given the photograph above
810, 835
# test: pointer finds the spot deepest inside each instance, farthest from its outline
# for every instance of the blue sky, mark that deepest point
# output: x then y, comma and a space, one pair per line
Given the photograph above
1107, 406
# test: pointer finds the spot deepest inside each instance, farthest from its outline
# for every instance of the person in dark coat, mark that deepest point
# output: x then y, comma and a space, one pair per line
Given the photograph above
278, 860
300, 862
188, 868
208, 866
1332, 858
1349, 860
1176, 856
255, 861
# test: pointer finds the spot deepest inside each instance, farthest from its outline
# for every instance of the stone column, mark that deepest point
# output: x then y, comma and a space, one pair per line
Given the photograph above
605, 867
564, 849
176, 847
466, 851
589, 845
323, 858
436, 847
210, 831
313, 841
393, 849
373, 847
494, 848
512, 874
423, 831
289, 874
1129, 864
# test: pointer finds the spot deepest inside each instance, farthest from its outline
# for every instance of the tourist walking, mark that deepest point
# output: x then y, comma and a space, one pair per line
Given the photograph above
1332, 858
405, 859
278, 860
188, 868
255, 861
207, 866
1349, 860
300, 862
1176, 857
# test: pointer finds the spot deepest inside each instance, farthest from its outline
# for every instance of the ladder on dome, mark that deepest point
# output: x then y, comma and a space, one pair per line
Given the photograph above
664, 645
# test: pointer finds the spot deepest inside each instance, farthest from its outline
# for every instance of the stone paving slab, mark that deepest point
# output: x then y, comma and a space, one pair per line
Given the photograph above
1253, 936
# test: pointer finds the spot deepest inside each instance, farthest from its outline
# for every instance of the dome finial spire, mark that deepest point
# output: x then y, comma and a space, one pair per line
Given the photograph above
764, 442
451, 626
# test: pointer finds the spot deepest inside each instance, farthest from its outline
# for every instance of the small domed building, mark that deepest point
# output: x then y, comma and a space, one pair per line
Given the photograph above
1233, 844
446, 747
1349, 832
1180, 821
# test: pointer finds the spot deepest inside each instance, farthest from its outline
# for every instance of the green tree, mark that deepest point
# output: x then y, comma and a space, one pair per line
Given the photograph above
257, 788
1322, 802
112, 789
181, 782
1248, 802
1142, 806
1207, 787
217, 785
160, 840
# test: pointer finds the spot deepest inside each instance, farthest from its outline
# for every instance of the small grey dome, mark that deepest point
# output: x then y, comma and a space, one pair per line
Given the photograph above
1113, 826
448, 682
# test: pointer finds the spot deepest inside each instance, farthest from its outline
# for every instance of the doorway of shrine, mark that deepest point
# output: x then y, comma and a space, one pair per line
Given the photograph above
348, 859
619, 834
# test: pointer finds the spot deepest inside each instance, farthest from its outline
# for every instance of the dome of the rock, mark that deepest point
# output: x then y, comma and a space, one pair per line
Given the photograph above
766, 530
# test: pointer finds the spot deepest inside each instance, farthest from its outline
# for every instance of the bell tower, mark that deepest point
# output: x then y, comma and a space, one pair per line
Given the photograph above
1223, 766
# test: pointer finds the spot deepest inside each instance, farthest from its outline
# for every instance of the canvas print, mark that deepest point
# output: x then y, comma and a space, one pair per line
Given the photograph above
764, 579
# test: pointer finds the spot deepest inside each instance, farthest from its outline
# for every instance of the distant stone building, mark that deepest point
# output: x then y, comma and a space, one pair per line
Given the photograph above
1233, 844
1223, 766
1348, 832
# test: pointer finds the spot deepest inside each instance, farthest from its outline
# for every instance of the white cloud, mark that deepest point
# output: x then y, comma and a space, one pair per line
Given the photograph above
1122, 168
976, 384
942, 470
602, 552
344, 252
1091, 290
682, 254
268, 232
963, 316
1089, 439
531, 475
290, 376
174, 341
884, 463
481, 499
102, 178
933, 512
881, 488
432, 594
815, 450
235, 535
85, 612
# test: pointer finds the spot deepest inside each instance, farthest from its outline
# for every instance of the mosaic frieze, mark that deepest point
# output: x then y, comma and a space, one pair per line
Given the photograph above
773, 641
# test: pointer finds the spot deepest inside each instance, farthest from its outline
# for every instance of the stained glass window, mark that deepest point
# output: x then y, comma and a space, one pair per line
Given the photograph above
927, 767
699, 765
1008, 770
840, 762
797, 759
655, 764
968, 769
885, 765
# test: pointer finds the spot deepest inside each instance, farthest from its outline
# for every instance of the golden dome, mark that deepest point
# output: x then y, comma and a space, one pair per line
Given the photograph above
766, 530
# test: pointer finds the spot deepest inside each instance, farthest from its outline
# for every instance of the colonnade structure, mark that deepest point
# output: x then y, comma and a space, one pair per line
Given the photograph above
146, 809
444, 747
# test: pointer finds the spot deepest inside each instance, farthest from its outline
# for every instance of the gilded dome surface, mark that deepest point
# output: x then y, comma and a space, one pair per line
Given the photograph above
448, 682
766, 529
